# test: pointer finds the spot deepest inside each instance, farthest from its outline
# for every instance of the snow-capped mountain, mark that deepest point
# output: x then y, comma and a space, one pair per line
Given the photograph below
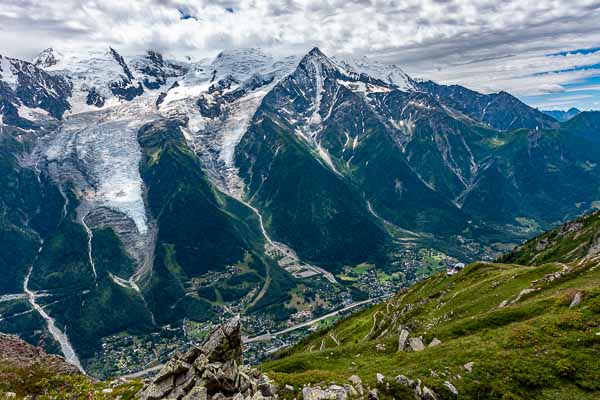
181, 189
28, 93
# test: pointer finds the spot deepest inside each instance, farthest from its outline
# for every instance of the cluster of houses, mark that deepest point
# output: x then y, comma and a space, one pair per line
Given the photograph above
451, 270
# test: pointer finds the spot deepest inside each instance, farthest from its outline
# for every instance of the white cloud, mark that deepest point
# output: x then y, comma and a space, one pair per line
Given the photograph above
488, 45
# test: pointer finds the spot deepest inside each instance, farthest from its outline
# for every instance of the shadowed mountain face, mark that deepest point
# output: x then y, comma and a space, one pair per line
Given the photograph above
181, 191
498, 110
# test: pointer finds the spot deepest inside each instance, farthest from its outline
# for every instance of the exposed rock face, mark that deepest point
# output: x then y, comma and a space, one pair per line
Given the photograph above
95, 98
213, 370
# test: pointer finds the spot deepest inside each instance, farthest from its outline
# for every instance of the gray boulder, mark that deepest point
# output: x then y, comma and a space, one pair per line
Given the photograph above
416, 344
451, 388
428, 394
402, 339
373, 394
403, 380
469, 366
355, 380
332, 392
576, 300
357, 384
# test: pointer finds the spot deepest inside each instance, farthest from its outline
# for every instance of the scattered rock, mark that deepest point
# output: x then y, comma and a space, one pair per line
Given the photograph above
576, 300
435, 342
332, 392
10, 395
357, 384
428, 394
380, 347
403, 380
373, 395
523, 293
418, 390
551, 277
289, 388
416, 344
355, 380
380, 377
451, 388
469, 366
351, 390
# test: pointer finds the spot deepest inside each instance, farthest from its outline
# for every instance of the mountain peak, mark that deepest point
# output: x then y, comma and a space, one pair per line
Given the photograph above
119, 59
155, 56
46, 58
316, 56
316, 51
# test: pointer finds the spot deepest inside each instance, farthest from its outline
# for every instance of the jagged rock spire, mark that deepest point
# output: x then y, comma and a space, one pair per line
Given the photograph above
210, 371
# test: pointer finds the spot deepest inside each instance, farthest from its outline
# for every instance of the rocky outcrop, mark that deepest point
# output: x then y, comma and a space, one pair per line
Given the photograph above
95, 98
16, 353
213, 370
406, 343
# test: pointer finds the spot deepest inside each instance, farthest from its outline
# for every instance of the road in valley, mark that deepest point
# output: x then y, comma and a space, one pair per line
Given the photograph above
269, 336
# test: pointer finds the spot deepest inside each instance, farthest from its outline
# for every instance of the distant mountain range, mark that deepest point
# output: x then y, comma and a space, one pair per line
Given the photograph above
561, 115
139, 193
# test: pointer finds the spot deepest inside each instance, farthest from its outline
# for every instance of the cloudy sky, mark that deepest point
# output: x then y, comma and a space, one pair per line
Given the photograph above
547, 52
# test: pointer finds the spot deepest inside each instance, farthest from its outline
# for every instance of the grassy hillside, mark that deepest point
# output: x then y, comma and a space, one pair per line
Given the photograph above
518, 324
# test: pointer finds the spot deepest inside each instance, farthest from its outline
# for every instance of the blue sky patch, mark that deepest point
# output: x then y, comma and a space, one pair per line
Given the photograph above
576, 51
584, 95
